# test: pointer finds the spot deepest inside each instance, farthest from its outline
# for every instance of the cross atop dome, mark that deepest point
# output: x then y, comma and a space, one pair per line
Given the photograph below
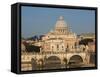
61, 18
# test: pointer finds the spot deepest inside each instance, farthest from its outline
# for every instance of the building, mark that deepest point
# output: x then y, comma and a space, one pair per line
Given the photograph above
60, 39
87, 36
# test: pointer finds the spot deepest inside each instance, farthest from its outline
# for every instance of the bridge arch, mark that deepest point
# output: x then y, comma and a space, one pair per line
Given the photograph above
53, 62
75, 60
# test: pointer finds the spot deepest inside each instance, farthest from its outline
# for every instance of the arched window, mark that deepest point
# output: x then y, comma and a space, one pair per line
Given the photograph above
52, 47
67, 46
75, 44
62, 47
57, 47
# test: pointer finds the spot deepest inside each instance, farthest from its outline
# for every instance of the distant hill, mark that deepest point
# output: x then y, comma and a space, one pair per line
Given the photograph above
35, 37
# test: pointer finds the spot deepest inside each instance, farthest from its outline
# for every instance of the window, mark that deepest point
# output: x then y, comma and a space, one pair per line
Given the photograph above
57, 46
62, 48
67, 46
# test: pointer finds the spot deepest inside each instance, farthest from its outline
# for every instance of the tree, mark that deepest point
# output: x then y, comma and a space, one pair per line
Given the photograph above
32, 48
35, 37
85, 41
40, 37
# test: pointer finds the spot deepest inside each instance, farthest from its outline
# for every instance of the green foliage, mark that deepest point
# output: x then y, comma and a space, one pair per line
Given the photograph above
85, 41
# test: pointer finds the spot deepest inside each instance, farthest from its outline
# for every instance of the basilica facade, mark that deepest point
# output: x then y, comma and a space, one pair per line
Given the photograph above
61, 39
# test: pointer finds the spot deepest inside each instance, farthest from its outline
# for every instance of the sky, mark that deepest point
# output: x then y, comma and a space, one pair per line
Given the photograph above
39, 20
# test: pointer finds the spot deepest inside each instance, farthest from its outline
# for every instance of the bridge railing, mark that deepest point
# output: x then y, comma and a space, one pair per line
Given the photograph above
43, 53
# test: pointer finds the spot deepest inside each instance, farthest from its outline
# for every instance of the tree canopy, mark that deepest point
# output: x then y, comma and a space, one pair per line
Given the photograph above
85, 41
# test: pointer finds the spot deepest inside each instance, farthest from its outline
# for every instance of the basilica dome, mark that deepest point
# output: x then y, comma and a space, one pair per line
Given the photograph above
60, 22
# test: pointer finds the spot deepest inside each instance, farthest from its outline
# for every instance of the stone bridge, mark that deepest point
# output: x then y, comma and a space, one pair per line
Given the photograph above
68, 56
53, 60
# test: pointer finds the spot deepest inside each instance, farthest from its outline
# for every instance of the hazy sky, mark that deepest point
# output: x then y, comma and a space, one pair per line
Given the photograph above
37, 20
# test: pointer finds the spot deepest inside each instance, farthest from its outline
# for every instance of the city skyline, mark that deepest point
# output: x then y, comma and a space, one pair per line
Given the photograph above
39, 21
